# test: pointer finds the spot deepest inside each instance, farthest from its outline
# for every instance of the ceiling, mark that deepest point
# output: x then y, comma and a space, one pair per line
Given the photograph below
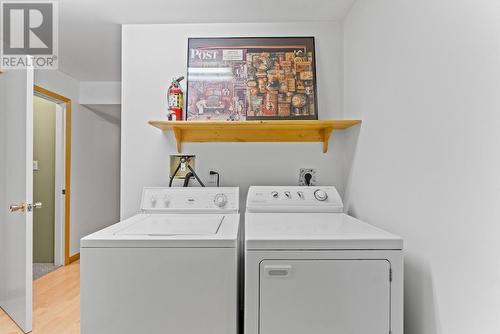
90, 31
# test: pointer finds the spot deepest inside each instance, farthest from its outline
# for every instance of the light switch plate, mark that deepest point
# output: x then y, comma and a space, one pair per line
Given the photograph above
35, 165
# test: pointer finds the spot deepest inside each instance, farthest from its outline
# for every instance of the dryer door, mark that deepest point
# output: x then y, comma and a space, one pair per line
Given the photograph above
324, 296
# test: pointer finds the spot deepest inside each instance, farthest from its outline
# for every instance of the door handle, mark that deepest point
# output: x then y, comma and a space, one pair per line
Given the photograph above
18, 207
36, 205
278, 271
23, 207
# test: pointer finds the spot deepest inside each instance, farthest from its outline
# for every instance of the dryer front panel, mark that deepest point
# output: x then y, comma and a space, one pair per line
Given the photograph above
324, 296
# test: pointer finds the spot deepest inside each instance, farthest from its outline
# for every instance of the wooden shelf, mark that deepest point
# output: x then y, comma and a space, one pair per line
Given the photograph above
253, 131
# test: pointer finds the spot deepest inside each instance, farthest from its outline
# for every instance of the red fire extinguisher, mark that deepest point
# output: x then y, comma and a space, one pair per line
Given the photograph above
175, 100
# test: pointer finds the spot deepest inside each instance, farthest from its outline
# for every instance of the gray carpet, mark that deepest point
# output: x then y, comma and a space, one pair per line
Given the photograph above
41, 269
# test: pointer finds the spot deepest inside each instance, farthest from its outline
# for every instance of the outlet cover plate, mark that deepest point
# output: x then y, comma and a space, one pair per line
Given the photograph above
303, 172
212, 179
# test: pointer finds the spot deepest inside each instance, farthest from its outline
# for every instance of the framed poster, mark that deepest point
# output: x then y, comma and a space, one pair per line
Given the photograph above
258, 78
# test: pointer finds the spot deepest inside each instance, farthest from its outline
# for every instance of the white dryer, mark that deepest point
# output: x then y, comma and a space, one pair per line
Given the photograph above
170, 269
309, 268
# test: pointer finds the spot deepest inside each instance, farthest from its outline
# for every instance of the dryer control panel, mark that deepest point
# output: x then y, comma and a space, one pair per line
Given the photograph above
294, 199
193, 200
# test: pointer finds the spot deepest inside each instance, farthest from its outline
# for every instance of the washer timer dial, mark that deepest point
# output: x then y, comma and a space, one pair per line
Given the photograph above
320, 195
220, 200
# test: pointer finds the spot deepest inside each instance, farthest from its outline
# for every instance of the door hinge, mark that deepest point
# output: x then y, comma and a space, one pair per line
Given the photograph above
390, 278
64, 191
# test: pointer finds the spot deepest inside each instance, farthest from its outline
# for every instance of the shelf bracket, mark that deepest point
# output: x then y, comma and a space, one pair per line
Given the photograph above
178, 139
326, 133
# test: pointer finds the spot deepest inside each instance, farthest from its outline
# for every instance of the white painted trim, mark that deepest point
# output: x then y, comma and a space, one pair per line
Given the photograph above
28, 260
59, 184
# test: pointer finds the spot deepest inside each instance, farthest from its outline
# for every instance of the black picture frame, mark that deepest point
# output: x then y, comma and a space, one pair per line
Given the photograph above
251, 78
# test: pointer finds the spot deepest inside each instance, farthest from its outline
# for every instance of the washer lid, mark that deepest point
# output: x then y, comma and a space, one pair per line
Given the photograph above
168, 231
174, 225
302, 231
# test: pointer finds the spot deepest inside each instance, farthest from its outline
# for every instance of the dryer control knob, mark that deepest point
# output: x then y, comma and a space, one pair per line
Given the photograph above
320, 195
220, 200
274, 194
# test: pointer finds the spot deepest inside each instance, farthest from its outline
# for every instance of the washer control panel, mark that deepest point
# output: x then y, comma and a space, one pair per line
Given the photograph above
294, 199
196, 200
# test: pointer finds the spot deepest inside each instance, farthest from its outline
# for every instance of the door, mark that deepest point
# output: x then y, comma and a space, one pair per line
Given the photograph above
324, 297
16, 218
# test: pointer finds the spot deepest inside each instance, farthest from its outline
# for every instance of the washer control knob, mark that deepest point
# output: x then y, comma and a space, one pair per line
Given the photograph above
274, 194
220, 200
154, 200
288, 195
301, 194
166, 201
320, 195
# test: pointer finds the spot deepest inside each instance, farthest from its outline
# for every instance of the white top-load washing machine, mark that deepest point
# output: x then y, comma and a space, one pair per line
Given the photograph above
309, 268
170, 269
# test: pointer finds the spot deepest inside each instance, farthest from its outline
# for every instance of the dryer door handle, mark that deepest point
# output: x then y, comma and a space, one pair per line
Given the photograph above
277, 271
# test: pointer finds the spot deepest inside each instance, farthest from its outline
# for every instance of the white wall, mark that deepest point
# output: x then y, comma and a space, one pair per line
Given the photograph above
95, 162
153, 54
100, 92
425, 78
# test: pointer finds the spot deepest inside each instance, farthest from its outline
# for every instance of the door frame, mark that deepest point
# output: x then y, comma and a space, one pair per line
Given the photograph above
59, 197
60, 99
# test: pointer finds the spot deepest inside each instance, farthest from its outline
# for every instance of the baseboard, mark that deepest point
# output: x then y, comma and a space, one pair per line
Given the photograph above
74, 258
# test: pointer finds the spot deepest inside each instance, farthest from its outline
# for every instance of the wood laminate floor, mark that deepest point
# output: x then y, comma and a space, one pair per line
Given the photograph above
56, 304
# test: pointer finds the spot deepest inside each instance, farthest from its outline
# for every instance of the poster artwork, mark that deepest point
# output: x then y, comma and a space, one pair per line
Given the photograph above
251, 78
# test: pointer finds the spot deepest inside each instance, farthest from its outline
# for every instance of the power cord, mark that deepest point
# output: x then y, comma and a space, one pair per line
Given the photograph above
174, 174
307, 178
212, 172
187, 178
196, 176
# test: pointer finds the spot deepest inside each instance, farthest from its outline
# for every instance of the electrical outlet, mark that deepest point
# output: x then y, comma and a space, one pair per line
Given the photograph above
212, 178
302, 176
